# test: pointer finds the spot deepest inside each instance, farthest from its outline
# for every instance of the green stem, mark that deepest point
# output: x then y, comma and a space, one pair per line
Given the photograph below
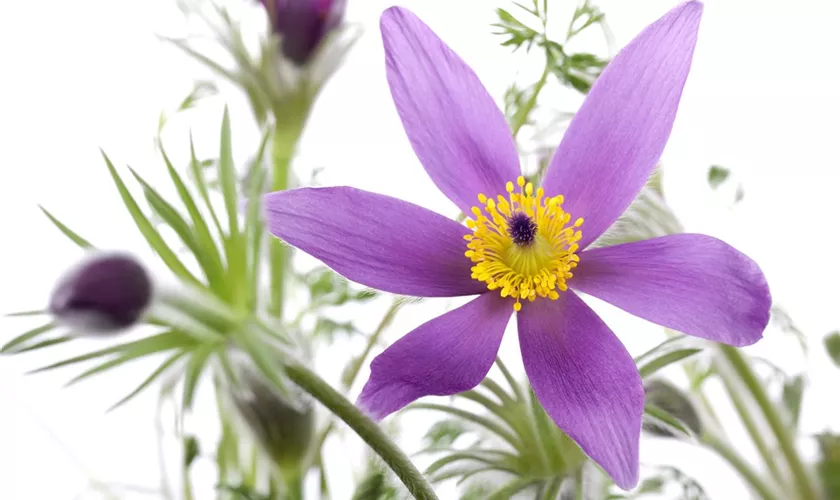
366, 428
750, 424
754, 386
739, 464
522, 115
283, 149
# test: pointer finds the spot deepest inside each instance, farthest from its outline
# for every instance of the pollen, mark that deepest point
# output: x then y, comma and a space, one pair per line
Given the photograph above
523, 243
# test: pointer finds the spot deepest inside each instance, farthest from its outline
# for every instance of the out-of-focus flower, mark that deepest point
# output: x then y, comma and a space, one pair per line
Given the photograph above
523, 244
303, 24
284, 426
104, 293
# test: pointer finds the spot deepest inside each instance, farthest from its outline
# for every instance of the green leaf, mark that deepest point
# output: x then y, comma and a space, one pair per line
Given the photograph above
43, 344
510, 489
659, 417
210, 63
201, 90
485, 422
666, 359
717, 176
168, 213
208, 255
195, 366
192, 450
474, 456
201, 183
444, 433
150, 379
128, 354
171, 339
66, 230
792, 393
21, 314
832, 346
26, 337
147, 229
254, 233
227, 176
235, 242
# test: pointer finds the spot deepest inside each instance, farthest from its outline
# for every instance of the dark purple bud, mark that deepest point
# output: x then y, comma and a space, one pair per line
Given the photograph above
102, 294
303, 24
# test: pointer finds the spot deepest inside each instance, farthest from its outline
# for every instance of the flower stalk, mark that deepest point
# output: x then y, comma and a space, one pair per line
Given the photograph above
804, 486
286, 136
369, 431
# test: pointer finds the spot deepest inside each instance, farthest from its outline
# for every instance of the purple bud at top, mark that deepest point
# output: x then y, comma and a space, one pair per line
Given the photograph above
102, 294
303, 24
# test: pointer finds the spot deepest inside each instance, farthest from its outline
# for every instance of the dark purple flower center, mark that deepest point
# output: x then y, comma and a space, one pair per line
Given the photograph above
522, 229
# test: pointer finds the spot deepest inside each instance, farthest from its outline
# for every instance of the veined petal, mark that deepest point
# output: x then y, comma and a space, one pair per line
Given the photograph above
693, 283
450, 354
617, 136
455, 128
376, 240
586, 381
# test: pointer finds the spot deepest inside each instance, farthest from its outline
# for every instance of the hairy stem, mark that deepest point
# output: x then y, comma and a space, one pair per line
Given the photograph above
367, 429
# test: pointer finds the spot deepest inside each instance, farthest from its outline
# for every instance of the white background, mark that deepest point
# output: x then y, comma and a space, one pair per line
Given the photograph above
762, 100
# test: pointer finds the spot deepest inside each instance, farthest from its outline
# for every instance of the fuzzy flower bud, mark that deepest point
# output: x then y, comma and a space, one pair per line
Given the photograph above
303, 24
284, 426
102, 294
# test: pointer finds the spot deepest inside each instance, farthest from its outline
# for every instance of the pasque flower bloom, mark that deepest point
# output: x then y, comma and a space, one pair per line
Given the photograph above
303, 24
525, 248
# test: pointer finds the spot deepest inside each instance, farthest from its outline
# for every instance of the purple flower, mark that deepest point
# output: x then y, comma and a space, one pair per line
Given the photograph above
103, 294
303, 24
526, 247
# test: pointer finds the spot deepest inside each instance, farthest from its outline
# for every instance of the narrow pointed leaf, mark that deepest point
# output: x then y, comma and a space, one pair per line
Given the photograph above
154, 238
201, 184
476, 419
195, 367
171, 339
209, 257
21, 314
126, 355
662, 418
512, 488
168, 213
227, 176
168, 362
666, 359
75, 238
43, 344
26, 337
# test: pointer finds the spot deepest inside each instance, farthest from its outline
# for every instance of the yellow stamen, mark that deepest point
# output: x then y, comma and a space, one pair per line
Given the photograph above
535, 263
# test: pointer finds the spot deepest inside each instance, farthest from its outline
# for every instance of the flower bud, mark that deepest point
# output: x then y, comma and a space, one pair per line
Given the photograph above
303, 24
284, 426
668, 397
102, 294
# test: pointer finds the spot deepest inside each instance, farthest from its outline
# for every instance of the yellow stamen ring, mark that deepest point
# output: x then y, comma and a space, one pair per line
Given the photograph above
522, 244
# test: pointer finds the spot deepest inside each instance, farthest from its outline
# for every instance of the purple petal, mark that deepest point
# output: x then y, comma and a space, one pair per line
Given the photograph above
455, 128
693, 283
450, 354
617, 136
376, 240
586, 381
